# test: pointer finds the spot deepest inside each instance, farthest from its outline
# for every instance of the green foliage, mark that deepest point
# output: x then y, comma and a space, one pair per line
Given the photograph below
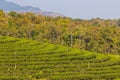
96, 35
22, 59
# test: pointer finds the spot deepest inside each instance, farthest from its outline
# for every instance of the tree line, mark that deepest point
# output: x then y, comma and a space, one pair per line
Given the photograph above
98, 35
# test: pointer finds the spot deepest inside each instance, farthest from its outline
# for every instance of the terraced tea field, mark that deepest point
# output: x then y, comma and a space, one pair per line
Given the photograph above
22, 59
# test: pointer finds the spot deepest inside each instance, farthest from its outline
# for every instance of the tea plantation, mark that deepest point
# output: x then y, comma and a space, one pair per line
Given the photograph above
22, 59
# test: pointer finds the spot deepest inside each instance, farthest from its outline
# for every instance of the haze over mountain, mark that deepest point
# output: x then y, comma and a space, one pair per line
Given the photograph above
83, 9
10, 6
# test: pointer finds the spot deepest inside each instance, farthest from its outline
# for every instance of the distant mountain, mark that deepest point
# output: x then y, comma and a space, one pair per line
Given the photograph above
52, 14
10, 6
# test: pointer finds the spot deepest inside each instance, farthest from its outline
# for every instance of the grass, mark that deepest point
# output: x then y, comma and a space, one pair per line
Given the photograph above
22, 59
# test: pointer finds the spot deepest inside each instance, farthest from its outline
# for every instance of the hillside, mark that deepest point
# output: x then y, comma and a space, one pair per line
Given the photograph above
22, 59
10, 6
97, 35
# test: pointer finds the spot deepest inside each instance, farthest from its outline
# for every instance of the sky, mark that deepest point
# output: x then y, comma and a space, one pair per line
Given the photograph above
83, 9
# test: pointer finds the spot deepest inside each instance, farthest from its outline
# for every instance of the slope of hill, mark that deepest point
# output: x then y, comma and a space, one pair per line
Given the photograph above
10, 6
22, 59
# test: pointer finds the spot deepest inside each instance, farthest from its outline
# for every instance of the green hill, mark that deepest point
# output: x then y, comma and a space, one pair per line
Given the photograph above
22, 59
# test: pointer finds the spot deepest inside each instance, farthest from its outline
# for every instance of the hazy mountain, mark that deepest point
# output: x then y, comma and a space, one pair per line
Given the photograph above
52, 14
10, 6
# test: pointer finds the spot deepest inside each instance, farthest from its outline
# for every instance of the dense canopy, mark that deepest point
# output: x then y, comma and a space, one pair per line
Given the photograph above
97, 35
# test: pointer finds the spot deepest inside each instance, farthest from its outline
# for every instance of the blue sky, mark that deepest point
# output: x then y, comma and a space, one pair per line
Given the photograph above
84, 9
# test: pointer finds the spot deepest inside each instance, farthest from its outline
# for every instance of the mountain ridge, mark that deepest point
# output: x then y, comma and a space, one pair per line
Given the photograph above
10, 6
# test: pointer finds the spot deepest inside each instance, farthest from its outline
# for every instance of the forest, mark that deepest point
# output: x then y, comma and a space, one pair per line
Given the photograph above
97, 35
